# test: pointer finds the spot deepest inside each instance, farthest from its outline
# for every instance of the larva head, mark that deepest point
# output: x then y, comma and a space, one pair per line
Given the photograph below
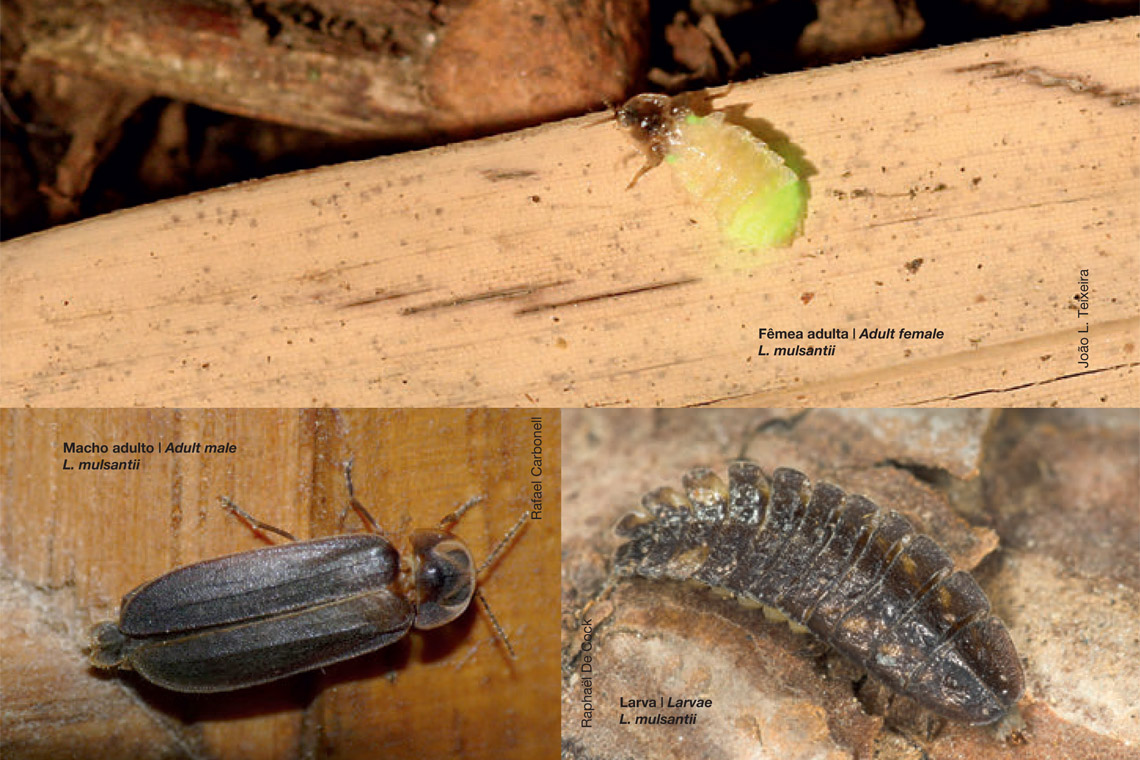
977, 680
445, 577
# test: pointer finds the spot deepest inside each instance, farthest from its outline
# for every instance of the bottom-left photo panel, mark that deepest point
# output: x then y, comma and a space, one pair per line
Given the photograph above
281, 583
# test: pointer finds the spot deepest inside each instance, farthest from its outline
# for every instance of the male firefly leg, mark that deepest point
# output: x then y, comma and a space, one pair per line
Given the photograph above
357, 507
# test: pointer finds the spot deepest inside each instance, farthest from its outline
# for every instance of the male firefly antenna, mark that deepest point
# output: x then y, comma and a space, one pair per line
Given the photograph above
502, 546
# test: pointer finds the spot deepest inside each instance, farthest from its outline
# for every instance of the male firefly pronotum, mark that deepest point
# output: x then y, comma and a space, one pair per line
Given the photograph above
261, 615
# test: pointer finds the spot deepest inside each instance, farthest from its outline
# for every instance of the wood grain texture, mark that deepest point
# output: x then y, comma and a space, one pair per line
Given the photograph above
74, 542
960, 189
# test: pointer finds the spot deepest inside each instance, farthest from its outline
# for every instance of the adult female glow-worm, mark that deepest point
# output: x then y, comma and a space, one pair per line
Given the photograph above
758, 200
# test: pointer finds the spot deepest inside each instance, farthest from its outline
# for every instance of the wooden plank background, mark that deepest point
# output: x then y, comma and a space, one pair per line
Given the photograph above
74, 542
519, 270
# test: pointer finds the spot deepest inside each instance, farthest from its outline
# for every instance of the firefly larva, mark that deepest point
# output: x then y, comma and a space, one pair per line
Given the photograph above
858, 576
757, 199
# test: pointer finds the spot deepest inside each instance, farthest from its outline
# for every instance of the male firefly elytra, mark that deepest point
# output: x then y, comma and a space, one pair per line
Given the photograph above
265, 614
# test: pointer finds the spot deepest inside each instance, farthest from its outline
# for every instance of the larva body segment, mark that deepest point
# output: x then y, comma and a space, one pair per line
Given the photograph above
757, 199
859, 577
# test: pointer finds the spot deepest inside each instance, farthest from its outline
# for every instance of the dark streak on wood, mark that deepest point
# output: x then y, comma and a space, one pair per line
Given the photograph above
381, 298
1044, 78
1023, 386
490, 295
612, 294
719, 400
905, 220
502, 175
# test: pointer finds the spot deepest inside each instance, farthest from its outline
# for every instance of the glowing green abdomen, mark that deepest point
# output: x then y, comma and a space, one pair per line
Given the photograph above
758, 200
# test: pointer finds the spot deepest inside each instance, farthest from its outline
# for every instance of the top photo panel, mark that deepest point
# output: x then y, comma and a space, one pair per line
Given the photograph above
554, 204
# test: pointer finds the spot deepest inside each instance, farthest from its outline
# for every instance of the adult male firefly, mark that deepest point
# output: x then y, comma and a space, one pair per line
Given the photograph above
265, 614
758, 200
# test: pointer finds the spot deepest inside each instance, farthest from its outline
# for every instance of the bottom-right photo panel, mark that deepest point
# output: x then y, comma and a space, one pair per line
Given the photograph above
850, 583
